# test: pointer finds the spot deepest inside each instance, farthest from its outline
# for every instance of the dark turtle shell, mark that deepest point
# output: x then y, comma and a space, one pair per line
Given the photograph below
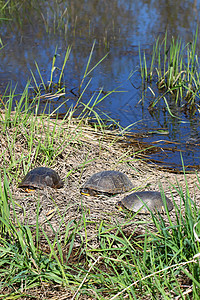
107, 182
142, 200
40, 178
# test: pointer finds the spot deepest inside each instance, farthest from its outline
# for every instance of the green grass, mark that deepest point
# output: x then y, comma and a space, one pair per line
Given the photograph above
148, 265
175, 67
122, 264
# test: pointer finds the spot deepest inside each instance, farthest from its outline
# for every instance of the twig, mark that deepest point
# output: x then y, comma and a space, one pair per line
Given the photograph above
84, 279
184, 293
194, 231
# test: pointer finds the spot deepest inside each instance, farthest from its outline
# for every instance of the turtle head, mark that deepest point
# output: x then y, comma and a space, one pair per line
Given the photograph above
88, 192
119, 205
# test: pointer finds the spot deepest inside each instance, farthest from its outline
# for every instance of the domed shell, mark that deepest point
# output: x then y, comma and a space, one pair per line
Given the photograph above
40, 178
107, 182
153, 200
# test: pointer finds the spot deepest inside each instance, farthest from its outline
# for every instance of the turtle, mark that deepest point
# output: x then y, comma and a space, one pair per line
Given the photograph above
41, 177
141, 200
106, 183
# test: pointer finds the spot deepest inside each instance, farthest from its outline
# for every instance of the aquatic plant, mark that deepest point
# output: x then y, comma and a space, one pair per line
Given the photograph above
120, 263
175, 68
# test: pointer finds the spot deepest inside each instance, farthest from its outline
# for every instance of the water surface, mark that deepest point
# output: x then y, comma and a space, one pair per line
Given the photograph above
35, 29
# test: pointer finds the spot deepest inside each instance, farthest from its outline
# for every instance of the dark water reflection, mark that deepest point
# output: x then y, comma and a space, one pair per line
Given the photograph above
34, 29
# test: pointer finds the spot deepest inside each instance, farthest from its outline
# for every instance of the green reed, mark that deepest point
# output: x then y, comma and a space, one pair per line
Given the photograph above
120, 264
175, 68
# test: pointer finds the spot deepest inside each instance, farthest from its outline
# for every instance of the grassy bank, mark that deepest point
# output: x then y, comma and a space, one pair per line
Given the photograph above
59, 244
81, 247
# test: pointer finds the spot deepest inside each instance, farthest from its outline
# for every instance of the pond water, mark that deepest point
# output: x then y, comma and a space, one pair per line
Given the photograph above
31, 31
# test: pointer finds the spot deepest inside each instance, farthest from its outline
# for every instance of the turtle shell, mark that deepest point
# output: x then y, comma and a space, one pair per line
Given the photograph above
40, 178
153, 200
107, 182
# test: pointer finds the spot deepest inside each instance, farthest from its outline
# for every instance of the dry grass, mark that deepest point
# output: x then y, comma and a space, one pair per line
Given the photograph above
80, 151
88, 153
